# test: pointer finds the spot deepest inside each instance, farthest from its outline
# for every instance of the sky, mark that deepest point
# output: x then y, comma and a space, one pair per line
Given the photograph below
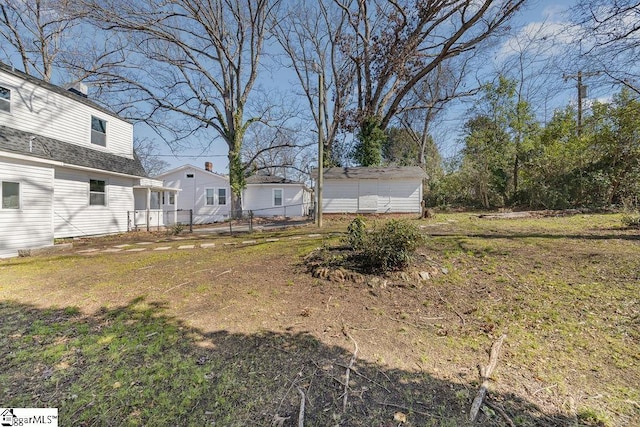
541, 16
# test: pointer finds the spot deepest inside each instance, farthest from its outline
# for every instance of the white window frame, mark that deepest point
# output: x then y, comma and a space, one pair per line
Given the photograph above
5, 101
218, 198
105, 192
273, 198
168, 198
100, 137
206, 197
2, 206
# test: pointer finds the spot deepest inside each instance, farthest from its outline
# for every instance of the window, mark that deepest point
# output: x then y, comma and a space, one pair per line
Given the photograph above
170, 200
97, 192
5, 99
98, 131
222, 196
189, 175
277, 197
210, 195
10, 195
154, 203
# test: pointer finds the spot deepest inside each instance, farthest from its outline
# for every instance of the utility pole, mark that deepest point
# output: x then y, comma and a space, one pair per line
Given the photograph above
320, 148
582, 93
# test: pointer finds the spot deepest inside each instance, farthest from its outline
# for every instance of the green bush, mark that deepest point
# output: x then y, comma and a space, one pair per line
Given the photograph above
356, 233
631, 219
388, 248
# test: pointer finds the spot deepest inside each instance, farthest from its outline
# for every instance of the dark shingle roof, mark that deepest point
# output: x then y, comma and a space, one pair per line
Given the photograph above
16, 141
269, 179
394, 172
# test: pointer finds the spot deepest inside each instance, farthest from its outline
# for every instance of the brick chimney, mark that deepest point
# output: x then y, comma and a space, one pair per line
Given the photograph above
208, 166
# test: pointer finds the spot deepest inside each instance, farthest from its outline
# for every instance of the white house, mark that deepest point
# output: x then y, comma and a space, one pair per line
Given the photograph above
372, 190
67, 166
208, 195
203, 191
270, 195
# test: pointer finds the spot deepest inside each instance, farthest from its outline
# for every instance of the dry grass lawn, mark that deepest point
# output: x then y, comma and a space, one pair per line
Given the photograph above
235, 334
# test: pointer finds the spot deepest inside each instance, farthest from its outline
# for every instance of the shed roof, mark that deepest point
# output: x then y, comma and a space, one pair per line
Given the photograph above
393, 172
32, 145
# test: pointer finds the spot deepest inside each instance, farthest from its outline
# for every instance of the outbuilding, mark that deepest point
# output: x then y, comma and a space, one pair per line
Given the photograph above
373, 189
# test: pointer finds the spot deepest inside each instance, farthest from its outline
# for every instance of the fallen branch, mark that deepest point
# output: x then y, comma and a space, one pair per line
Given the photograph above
176, 287
301, 413
500, 411
346, 378
485, 375
451, 307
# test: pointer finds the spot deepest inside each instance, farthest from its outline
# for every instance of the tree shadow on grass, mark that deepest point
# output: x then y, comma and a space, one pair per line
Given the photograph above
133, 365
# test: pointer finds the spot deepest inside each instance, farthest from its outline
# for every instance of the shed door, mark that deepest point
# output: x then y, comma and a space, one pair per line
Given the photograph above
368, 195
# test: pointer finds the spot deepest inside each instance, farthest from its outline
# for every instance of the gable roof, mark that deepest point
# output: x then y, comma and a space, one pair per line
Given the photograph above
393, 172
57, 89
189, 167
269, 179
32, 145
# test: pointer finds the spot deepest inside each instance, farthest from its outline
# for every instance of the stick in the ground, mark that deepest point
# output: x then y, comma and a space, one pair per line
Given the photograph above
485, 374
346, 379
301, 413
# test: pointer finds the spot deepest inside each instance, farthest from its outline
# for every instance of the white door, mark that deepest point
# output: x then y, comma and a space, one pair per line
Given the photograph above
368, 195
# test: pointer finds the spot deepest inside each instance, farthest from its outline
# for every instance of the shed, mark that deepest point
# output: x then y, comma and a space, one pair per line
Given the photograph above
373, 189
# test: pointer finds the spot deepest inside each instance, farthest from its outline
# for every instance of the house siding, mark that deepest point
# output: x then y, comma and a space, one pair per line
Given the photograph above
340, 196
193, 194
40, 111
259, 199
361, 195
30, 226
72, 214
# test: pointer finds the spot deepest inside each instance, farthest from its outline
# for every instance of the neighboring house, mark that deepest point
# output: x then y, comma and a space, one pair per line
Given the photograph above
67, 166
203, 191
269, 195
372, 190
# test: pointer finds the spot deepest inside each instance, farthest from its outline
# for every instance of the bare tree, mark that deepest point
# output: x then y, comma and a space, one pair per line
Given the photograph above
148, 154
188, 68
309, 34
36, 32
278, 151
396, 44
609, 38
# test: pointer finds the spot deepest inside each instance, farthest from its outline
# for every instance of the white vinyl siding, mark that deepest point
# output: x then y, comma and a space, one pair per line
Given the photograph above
193, 194
390, 196
41, 111
73, 217
340, 196
29, 226
258, 198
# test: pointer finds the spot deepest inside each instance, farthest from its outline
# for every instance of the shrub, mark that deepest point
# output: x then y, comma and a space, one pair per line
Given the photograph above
356, 233
630, 217
390, 247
